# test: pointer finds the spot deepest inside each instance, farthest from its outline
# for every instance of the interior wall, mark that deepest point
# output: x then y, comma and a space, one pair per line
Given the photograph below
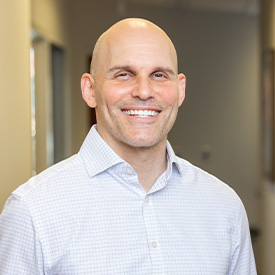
218, 126
49, 20
268, 220
15, 97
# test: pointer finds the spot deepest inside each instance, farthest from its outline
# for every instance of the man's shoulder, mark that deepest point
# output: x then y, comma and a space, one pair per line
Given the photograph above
205, 182
61, 173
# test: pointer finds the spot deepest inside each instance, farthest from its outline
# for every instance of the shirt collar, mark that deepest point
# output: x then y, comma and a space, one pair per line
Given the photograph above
98, 156
172, 159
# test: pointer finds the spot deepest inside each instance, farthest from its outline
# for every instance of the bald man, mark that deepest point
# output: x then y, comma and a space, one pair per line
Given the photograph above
125, 204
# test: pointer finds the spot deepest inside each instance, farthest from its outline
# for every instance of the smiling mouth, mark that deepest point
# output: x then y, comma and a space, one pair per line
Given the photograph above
141, 113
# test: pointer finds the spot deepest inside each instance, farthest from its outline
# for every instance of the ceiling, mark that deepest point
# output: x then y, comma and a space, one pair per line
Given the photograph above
249, 7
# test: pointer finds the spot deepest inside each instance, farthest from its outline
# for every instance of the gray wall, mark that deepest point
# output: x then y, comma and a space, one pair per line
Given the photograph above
220, 57
268, 221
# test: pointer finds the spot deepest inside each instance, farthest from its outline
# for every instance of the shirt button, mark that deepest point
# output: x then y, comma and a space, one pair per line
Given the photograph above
146, 199
154, 244
129, 171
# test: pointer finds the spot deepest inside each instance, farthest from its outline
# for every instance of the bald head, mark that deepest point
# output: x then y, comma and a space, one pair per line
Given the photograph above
134, 71
129, 30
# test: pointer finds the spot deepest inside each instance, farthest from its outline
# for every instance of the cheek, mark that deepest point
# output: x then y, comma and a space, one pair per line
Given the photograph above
170, 98
113, 94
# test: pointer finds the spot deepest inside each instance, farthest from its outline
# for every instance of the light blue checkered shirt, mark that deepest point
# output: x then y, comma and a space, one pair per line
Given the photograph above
89, 215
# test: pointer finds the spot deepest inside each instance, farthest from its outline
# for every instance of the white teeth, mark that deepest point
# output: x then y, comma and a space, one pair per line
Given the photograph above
141, 113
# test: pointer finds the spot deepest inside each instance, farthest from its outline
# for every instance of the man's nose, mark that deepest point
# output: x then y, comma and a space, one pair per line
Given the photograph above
143, 89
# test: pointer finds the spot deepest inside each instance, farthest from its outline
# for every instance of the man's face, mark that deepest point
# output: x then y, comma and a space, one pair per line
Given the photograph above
136, 89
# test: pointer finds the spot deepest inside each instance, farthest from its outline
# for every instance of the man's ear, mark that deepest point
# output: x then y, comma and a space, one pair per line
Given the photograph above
87, 88
182, 85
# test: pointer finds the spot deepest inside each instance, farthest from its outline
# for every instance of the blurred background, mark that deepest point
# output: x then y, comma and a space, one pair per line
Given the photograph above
46, 45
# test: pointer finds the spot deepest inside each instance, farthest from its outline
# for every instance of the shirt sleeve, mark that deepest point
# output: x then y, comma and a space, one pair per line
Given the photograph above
242, 261
20, 249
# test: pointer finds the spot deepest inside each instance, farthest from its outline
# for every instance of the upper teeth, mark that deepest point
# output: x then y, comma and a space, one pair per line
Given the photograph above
142, 113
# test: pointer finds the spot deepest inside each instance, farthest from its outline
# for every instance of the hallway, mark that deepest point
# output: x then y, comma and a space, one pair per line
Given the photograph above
219, 126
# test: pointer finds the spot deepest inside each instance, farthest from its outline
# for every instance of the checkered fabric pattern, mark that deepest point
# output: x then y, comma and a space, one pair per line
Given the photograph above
89, 215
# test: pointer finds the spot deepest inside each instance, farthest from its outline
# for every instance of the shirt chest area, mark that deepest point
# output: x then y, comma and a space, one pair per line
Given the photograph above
122, 232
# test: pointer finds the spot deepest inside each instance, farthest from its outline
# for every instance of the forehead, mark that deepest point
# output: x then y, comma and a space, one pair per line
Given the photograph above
140, 47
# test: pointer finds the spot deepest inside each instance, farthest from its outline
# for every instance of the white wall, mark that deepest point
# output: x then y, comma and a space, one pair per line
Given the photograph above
15, 112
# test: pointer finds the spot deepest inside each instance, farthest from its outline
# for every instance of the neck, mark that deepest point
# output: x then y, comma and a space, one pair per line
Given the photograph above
148, 162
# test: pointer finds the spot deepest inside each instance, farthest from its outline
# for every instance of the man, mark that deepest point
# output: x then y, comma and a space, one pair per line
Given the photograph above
125, 204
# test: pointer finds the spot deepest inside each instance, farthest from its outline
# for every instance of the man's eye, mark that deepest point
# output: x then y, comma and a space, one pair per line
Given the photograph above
158, 75
122, 75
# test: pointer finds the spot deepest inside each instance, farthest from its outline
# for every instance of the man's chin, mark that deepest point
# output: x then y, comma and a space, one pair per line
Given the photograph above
143, 142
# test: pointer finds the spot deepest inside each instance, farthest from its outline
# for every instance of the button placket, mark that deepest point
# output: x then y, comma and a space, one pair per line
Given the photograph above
152, 233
